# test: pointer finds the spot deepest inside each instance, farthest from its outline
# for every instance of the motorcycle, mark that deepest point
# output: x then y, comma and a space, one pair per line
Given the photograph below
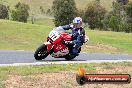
55, 45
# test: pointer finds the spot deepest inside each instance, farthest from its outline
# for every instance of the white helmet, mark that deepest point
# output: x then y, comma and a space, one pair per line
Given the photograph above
77, 20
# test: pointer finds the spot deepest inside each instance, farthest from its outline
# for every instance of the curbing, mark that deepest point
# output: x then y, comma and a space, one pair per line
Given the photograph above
63, 62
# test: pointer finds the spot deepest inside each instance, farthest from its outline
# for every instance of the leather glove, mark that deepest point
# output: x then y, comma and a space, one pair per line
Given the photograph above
69, 42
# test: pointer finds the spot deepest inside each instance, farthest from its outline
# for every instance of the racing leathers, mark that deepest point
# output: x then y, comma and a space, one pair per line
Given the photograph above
78, 37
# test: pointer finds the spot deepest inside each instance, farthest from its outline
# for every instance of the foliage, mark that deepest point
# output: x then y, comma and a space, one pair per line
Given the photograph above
94, 15
49, 12
3, 12
80, 13
124, 2
42, 10
114, 22
20, 13
119, 19
129, 9
64, 11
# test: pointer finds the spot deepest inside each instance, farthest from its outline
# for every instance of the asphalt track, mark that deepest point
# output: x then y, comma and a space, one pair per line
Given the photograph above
26, 57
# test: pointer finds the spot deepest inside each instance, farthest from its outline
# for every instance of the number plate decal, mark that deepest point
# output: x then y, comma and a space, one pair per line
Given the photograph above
54, 35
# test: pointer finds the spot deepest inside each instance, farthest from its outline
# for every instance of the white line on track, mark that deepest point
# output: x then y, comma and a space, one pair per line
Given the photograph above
63, 62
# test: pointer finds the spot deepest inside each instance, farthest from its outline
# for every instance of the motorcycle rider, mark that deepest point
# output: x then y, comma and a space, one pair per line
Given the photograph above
78, 35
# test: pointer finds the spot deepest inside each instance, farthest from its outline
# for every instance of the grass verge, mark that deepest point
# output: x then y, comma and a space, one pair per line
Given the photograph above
21, 36
34, 74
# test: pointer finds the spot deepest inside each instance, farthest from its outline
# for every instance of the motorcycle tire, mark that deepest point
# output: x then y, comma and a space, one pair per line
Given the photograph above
69, 57
41, 52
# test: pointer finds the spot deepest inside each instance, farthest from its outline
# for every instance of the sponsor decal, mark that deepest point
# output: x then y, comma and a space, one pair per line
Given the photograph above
83, 78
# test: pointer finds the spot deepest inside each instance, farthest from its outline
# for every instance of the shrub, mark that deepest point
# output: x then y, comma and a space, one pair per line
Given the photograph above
20, 13
3, 12
64, 11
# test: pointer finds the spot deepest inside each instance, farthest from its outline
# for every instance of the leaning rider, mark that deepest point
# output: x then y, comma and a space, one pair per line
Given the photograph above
78, 34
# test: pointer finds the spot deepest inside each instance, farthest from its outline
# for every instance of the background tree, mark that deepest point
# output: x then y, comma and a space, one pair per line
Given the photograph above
106, 20
3, 12
129, 14
20, 13
64, 11
119, 19
48, 12
129, 9
42, 10
112, 19
114, 23
80, 13
124, 2
94, 14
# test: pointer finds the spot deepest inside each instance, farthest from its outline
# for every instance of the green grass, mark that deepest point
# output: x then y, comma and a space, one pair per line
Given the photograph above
34, 5
32, 70
29, 70
22, 36
120, 40
53, 68
44, 21
16, 35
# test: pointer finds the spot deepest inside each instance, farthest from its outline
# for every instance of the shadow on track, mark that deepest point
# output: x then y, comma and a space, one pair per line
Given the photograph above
55, 60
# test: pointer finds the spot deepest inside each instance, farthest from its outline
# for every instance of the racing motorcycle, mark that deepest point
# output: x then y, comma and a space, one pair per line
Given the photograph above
55, 45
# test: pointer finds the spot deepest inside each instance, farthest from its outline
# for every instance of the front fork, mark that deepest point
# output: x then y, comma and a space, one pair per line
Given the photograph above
49, 46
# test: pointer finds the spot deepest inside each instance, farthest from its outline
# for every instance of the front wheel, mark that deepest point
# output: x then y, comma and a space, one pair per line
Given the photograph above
41, 52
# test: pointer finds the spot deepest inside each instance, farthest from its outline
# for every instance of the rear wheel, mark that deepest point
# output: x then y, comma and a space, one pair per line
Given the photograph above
41, 52
70, 57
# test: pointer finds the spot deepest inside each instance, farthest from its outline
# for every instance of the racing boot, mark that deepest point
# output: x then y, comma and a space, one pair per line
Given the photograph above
75, 52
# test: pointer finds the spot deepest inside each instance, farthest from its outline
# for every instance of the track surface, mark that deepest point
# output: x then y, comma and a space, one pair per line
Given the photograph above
12, 56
